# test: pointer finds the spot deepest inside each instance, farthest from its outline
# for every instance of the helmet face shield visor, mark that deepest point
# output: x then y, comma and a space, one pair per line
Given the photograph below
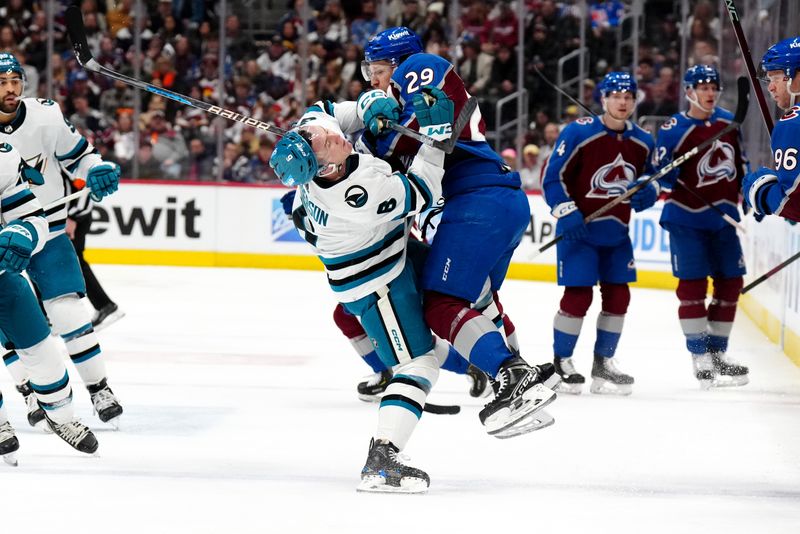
376, 69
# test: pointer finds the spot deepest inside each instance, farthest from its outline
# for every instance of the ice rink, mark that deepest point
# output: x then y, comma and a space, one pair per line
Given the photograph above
241, 416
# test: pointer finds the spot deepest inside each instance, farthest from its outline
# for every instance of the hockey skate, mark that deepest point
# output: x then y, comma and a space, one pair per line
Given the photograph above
384, 472
727, 371
571, 380
608, 380
76, 434
106, 316
479, 382
519, 392
35, 412
9, 444
703, 370
372, 389
106, 405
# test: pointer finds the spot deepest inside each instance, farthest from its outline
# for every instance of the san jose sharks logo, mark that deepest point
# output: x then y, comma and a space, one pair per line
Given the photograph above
716, 164
612, 179
38, 162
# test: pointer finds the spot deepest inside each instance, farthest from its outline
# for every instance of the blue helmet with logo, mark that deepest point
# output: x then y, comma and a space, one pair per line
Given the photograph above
784, 56
393, 45
293, 160
618, 82
8, 63
701, 74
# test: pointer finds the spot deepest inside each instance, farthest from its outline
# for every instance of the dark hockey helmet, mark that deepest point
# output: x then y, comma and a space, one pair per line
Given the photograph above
293, 160
701, 74
9, 63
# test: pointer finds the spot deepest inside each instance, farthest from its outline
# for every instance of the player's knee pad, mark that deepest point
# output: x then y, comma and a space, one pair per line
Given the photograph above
347, 323
616, 298
692, 290
576, 300
444, 312
422, 370
728, 289
69, 317
44, 361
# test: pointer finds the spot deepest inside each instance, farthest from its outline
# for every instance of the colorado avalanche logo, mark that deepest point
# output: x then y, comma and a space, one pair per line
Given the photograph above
716, 164
612, 179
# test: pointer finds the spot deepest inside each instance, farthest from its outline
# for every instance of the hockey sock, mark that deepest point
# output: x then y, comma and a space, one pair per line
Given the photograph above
722, 311
508, 327
72, 322
615, 298
3, 414
692, 314
352, 329
374, 361
48, 378
569, 319
472, 335
15, 367
455, 362
402, 403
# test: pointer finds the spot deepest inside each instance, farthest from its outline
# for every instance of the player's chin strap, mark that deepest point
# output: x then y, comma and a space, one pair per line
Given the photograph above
794, 98
693, 100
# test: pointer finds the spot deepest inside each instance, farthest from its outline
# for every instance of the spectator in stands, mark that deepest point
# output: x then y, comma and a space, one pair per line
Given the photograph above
410, 17
504, 73
354, 89
501, 28
194, 125
366, 25
200, 163
531, 170
509, 156
551, 132
278, 60
86, 118
260, 171
123, 139
475, 68
236, 166
169, 147
35, 49
149, 167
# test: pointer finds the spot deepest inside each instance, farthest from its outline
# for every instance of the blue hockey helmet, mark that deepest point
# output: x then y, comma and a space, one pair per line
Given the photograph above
701, 74
784, 56
9, 63
393, 45
293, 160
618, 82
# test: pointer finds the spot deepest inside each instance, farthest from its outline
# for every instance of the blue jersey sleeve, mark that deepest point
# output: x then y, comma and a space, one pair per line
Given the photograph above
553, 187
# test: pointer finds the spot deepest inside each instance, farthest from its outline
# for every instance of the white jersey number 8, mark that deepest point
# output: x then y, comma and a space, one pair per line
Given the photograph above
425, 77
787, 158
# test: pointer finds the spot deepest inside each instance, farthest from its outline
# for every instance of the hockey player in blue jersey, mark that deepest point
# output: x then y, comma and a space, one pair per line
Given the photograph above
701, 243
24, 234
49, 143
596, 159
484, 217
775, 191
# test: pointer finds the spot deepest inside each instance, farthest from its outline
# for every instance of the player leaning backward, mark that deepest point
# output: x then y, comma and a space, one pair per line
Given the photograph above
24, 233
484, 218
50, 144
775, 191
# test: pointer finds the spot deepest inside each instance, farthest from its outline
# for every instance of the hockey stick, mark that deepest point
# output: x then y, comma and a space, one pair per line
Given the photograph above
728, 219
741, 110
769, 273
748, 61
439, 409
64, 200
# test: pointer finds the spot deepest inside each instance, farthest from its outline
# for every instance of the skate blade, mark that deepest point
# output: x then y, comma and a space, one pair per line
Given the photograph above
535, 399
604, 387
726, 381
530, 423
569, 389
11, 459
376, 484
108, 321
369, 398
553, 381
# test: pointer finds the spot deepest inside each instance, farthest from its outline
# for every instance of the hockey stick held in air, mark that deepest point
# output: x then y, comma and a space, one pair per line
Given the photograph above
769, 273
727, 218
458, 125
741, 111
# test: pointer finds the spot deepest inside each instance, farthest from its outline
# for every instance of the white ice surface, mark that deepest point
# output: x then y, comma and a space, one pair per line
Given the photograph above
241, 416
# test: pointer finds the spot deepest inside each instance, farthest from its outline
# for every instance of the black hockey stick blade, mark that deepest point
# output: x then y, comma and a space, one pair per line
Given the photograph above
77, 34
743, 89
439, 409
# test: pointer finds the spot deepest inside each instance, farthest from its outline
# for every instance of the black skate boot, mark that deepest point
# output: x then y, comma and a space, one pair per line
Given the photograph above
571, 380
35, 412
728, 371
76, 434
479, 381
703, 370
519, 391
9, 444
371, 389
107, 315
384, 472
105, 404
608, 380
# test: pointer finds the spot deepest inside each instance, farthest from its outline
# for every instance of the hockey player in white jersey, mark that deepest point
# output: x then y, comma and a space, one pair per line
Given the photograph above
24, 233
354, 211
50, 144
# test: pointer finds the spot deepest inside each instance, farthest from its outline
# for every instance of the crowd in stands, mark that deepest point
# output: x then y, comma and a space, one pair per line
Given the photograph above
181, 52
